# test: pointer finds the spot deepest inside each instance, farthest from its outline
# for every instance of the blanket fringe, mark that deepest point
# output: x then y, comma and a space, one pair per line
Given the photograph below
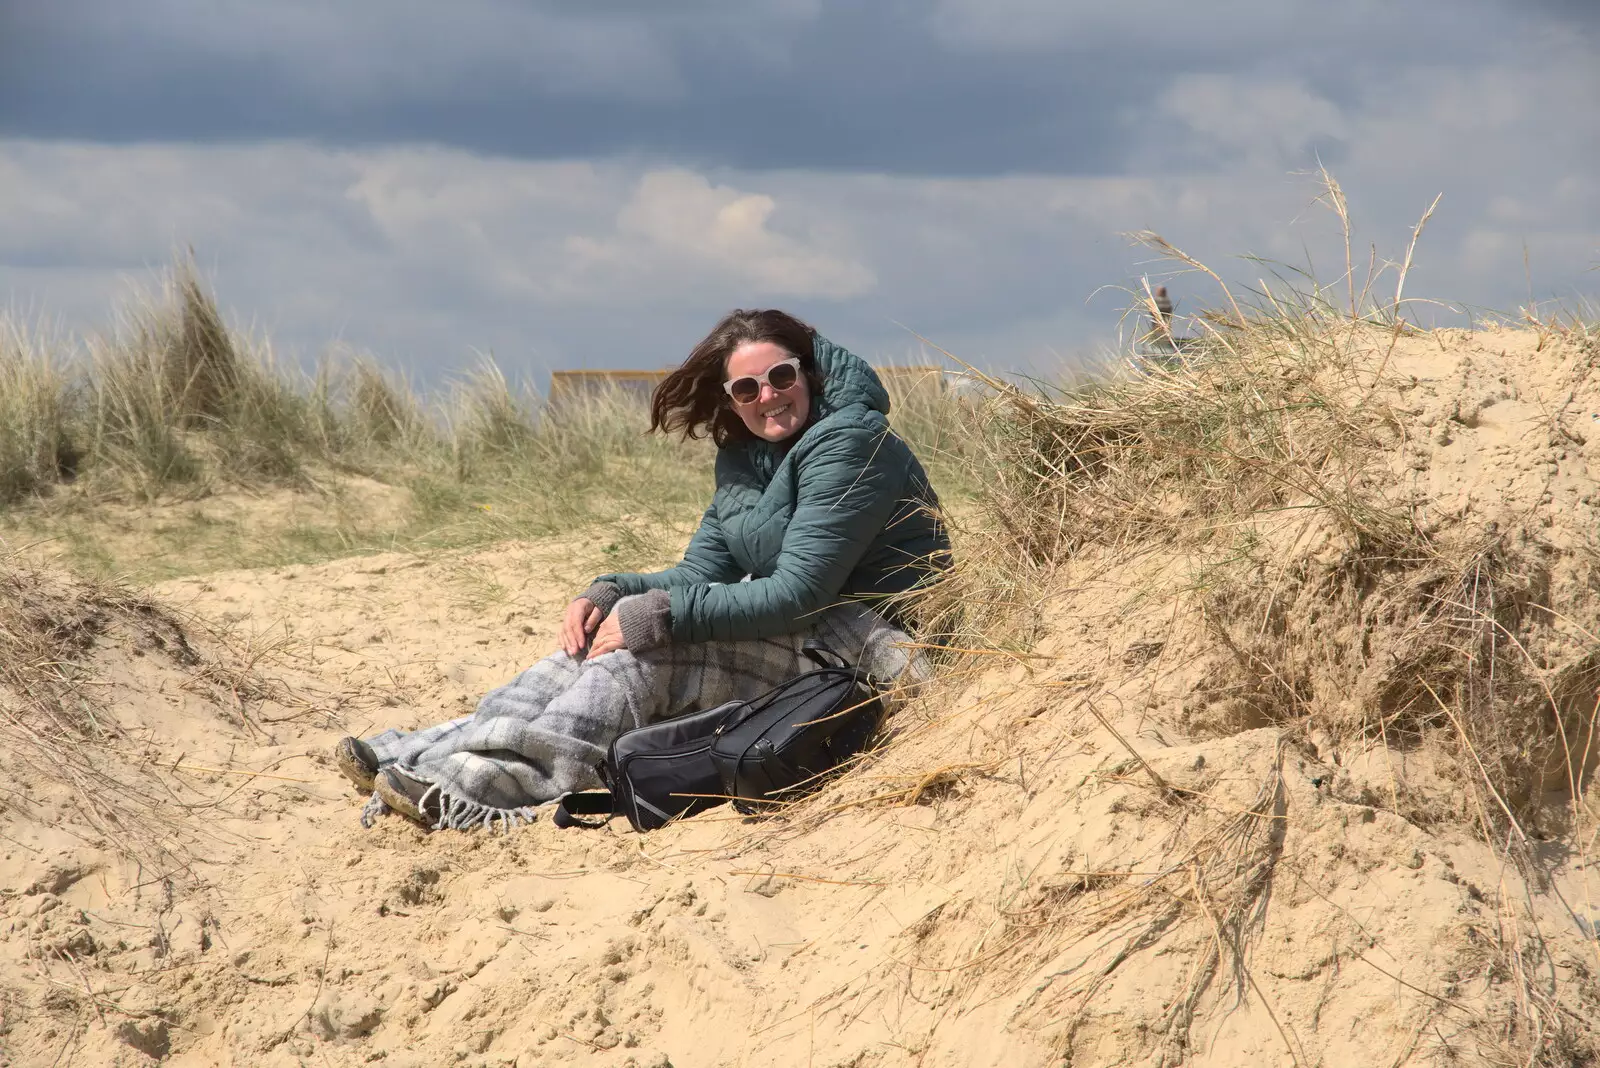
460, 814
374, 808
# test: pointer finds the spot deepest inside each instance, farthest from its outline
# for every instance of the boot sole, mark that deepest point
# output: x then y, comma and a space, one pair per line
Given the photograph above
351, 766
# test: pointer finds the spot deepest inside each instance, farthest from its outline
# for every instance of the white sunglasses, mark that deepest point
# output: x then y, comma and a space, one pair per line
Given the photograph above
780, 376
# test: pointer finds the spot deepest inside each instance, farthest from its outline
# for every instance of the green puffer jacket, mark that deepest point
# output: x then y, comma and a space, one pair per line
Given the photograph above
842, 512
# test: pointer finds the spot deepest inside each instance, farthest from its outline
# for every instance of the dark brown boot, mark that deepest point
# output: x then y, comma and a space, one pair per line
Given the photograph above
357, 762
405, 795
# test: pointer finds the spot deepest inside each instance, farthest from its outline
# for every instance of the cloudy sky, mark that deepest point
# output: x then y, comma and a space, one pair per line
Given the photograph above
592, 184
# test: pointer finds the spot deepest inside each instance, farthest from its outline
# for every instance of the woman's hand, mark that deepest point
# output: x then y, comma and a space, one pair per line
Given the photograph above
579, 623
608, 639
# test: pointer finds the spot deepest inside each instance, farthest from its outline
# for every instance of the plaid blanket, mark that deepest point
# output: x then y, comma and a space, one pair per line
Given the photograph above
541, 736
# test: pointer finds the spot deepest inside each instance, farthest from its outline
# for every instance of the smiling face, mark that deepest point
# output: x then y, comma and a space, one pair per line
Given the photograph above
775, 414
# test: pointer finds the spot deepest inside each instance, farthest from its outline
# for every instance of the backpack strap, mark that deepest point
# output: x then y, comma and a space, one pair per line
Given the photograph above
602, 803
822, 656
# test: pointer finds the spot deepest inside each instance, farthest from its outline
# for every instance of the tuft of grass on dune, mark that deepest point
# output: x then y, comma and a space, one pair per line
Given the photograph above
178, 404
1278, 428
57, 728
36, 402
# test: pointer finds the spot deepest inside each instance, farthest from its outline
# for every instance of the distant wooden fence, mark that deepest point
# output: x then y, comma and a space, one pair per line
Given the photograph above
566, 386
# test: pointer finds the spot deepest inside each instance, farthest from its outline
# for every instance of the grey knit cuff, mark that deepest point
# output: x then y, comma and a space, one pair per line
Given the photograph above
645, 620
604, 595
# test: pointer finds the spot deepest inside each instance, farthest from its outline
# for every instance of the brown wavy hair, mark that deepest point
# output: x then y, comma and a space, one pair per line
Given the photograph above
691, 400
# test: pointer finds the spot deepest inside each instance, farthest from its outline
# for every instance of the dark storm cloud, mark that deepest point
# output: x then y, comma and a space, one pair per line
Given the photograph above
963, 87
858, 89
1571, 14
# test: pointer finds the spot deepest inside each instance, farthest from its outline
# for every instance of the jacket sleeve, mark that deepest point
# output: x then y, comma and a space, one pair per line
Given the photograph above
847, 490
706, 560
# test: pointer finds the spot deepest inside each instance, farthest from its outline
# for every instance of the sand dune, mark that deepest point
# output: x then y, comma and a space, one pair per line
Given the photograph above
1102, 853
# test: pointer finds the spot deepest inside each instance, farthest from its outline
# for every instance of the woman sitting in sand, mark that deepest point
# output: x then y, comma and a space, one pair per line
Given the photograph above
820, 509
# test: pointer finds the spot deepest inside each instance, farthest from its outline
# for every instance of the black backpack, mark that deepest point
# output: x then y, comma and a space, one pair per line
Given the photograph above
756, 753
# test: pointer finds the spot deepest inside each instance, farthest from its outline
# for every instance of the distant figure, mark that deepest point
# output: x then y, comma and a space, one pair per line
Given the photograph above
1164, 306
822, 519
1159, 343
1159, 336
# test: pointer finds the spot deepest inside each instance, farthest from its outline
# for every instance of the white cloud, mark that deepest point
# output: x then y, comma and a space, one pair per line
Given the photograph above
677, 225
1270, 120
583, 232
421, 251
